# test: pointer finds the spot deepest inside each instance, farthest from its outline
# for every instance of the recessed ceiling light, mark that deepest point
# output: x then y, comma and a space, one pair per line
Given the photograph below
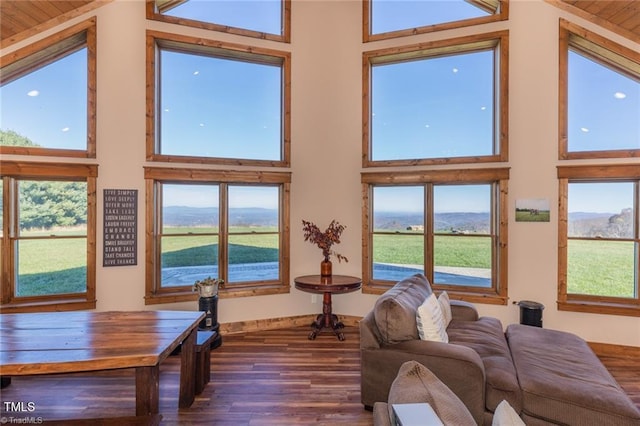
619, 95
65, 129
584, 129
196, 72
455, 70
483, 108
201, 124
33, 93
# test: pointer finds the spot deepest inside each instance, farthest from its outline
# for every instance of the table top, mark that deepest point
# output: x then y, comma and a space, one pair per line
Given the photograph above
62, 342
332, 284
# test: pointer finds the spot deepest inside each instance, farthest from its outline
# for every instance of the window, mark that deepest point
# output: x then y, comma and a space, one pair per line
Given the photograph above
228, 225
53, 83
266, 19
599, 242
397, 18
48, 238
600, 86
416, 97
448, 224
219, 103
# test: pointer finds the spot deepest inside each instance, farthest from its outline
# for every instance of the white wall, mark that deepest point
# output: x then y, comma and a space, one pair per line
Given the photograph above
326, 152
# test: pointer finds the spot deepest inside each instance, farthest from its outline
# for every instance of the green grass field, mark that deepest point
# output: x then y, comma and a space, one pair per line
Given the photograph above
57, 266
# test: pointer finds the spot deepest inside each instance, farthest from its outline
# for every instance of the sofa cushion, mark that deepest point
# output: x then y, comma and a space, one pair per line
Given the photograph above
415, 384
563, 381
395, 310
487, 338
430, 320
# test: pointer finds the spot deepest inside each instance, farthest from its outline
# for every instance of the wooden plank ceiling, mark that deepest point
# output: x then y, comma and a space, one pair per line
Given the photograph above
20, 19
23, 18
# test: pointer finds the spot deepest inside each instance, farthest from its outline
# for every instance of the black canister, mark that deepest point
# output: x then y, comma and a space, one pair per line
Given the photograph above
531, 313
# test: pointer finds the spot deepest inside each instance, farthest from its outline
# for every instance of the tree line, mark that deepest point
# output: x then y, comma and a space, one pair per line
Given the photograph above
47, 204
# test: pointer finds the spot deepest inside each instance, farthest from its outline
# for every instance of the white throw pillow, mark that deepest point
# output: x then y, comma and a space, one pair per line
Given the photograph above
445, 305
505, 415
431, 321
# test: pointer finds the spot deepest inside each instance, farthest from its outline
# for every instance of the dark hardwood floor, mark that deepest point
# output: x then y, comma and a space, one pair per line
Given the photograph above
275, 377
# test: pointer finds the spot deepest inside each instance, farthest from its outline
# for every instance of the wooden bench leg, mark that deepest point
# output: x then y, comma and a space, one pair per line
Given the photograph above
203, 369
203, 358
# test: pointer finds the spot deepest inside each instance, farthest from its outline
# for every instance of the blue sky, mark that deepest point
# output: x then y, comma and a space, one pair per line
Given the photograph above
205, 102
264, 15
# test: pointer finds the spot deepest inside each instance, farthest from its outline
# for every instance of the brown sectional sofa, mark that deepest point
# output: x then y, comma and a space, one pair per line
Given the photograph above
547, 376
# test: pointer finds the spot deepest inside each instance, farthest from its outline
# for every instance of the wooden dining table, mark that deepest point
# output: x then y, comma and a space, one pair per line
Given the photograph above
86, 341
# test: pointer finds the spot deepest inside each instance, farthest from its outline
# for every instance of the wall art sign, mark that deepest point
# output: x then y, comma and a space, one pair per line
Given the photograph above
120, 227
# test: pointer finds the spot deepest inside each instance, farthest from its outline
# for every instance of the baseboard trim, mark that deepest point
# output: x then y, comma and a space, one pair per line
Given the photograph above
601, 349
282, 322
607, 349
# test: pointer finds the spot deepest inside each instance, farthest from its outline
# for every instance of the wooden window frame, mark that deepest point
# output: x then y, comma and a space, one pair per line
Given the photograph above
285, 36
498, 293
496, 40
22, 170
609, 54
193, 45
154, 294
44, 52
500, 5
589, 303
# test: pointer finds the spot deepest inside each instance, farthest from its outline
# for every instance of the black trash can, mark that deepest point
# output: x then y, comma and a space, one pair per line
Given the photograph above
531, 313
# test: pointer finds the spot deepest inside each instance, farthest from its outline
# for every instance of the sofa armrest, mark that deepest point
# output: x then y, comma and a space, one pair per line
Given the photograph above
457, 366
381, 414
463, 311
369, 338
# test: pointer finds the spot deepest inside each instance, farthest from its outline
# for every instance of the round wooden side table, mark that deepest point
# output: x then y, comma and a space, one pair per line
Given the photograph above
333, 284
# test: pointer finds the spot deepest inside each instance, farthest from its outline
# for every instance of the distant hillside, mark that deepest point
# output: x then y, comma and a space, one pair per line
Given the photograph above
611, 225
580, 223
459, 222
208, 216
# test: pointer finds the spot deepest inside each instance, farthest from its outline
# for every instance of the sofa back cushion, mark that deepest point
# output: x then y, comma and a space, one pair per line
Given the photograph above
395, 310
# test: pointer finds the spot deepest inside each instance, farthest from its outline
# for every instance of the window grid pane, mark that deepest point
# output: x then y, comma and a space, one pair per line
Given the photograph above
253, 257
602, 268
601, 210
603, 106
51, 266
387, 16
54, 96
416, 107
462, 260
263, 16
186, 259
218, 107
397, 256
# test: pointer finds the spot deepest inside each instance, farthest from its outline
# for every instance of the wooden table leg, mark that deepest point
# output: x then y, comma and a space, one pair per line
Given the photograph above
147, 390
327, 320
188, 371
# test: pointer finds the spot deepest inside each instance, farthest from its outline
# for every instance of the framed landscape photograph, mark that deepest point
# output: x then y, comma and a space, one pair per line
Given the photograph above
533, 210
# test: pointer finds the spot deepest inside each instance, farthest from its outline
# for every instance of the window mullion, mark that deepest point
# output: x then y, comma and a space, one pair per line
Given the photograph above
429, 231
223, 233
